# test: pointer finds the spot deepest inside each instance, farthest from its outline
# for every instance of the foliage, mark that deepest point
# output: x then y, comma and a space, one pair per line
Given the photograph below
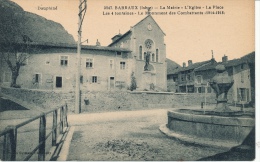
133, 84
14, 45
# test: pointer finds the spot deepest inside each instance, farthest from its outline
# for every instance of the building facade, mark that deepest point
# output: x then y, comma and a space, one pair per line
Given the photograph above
195, 78
146, 37
53, 66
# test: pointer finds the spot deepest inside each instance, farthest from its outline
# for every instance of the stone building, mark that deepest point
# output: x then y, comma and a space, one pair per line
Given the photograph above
195, 77
146, 37
187, 79
110, 67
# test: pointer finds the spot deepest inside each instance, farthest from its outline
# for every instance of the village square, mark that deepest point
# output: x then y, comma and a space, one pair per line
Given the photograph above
64, 100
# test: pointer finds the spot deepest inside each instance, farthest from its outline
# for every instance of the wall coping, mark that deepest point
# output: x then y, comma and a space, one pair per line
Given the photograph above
39, 90
150, 92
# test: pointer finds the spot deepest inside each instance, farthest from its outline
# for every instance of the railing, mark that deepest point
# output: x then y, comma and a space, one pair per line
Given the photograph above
10, 134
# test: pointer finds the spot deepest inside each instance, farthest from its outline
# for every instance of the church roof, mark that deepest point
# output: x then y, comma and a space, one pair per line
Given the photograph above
152, 19
129, 31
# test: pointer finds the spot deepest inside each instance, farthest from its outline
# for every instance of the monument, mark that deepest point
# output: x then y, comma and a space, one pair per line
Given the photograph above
147, 61
148, 73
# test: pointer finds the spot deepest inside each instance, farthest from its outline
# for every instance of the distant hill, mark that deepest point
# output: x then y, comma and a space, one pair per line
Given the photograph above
15, 23
171, 66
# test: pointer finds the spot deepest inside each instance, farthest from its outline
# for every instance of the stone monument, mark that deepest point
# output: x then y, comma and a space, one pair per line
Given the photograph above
147, 61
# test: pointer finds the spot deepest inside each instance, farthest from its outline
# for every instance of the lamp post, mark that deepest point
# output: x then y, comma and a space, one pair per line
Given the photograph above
82, 12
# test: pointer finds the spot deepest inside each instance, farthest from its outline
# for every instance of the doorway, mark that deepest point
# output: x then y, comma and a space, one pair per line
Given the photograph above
112, 82
58, 82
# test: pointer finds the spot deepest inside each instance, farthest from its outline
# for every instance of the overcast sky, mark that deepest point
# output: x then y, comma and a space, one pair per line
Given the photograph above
188, 37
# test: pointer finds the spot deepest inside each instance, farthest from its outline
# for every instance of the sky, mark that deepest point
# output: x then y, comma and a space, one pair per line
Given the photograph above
188, 37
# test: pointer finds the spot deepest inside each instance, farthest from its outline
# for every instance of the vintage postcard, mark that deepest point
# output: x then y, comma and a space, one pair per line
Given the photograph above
128, 80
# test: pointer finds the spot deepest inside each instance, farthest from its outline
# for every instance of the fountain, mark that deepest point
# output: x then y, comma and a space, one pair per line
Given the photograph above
220, 127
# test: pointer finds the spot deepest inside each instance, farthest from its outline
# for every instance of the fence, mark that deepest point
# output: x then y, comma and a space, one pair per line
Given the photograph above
10, 134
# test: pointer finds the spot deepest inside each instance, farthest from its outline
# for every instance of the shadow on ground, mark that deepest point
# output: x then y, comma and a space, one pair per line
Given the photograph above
6, 105
243, 152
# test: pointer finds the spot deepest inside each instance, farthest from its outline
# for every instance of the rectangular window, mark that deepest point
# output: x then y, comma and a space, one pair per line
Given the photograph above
37, 78
122, 65
118, 53
94, 79
199, 79
243, 94
89, 63
58, 82
199, 90
188, 77
111, 64
140, 52
183, 77
64, 60
157, 55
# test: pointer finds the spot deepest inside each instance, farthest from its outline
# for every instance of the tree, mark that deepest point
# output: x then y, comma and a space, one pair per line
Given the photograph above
133, 84
14, 45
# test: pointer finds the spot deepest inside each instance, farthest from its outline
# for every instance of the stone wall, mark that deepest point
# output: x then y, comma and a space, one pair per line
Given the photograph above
46, 99
108, 101
99, 101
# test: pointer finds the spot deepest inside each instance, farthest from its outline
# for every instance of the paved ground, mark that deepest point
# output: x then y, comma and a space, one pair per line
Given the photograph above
129, 135
124, 135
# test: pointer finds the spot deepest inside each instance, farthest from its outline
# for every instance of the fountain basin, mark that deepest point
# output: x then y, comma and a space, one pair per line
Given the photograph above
209, 128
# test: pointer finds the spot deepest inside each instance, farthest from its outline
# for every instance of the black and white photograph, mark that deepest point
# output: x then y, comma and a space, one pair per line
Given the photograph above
128, 80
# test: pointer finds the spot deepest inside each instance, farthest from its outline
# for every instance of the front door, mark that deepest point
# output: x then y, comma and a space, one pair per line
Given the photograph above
112, 82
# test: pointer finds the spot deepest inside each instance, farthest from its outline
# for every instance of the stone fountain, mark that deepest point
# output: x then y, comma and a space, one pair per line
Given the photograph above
221, 83
220, 127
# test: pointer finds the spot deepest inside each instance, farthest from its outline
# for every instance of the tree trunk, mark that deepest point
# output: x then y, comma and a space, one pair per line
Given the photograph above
15, 74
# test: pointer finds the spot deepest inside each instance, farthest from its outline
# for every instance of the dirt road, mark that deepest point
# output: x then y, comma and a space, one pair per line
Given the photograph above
129, 135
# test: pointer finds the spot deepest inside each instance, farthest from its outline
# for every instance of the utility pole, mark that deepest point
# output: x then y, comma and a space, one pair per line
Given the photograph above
82, 12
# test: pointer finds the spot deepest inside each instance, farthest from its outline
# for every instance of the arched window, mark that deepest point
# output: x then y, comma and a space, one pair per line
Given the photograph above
140, 52
157, 55
144, 55
153, 57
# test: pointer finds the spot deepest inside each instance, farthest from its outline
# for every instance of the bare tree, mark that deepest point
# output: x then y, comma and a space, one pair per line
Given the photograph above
15, 47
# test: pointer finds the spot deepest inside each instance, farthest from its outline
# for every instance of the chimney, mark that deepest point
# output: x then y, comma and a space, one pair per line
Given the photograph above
97, 43
189, 62
224, 58
116, 37
184, 64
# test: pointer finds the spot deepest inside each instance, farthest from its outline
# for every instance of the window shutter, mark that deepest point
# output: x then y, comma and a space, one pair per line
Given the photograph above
40, 78
247, 95
238, 95
98, 79
33, 78
90, 79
